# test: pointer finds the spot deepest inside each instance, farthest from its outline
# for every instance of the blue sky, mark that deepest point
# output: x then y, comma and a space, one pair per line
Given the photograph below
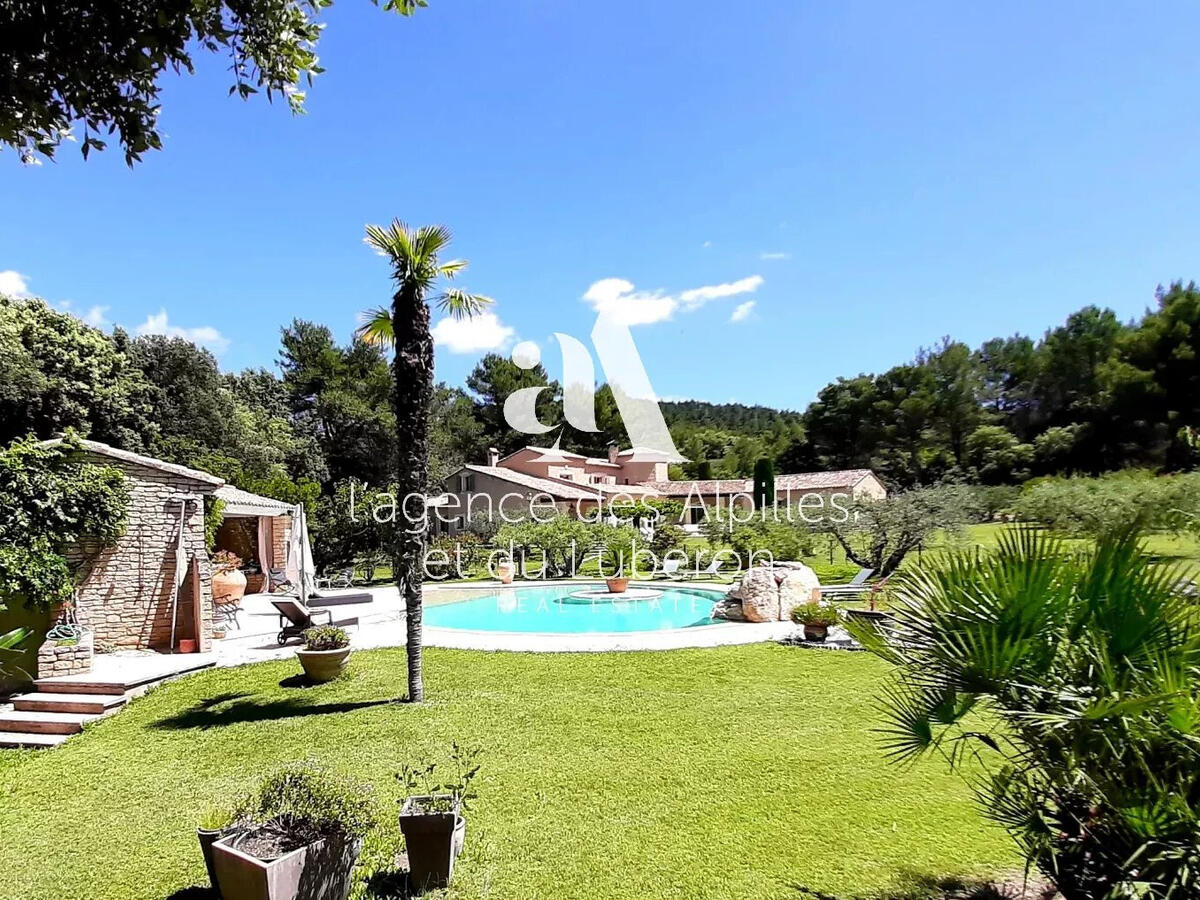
870, 176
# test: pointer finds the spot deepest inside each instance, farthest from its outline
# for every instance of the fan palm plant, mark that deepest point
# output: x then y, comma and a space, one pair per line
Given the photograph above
419, 276
1066, 685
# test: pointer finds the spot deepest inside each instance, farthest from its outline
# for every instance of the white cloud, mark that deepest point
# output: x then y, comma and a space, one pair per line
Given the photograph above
482, 332
699, 296
776, 254
742, 311
14, 283
618, 298
95, 317
706, 244
204, 335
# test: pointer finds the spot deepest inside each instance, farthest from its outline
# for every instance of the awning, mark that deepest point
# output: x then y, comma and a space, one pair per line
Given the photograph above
244, 503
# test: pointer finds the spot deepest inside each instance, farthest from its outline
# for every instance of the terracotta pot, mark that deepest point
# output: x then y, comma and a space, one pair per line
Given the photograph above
505, 572
617, 585
432, 841
228, 587
323, 665
187, 645
319, 871
816, 633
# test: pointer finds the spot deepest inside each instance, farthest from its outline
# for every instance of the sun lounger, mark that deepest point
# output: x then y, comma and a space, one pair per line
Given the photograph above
857, 585
295, 618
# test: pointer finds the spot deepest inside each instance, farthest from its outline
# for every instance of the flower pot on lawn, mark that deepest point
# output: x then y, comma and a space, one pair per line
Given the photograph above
247, 869
617, 585
434, 830
505, 572
325, 651
816, 633
323, 665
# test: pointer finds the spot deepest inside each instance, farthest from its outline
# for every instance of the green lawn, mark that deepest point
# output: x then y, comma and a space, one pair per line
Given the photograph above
720, 773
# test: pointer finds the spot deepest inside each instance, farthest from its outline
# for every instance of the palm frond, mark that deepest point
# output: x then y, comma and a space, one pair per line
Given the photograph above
459, 304
395, 241
452, 268
429, 241
376, 327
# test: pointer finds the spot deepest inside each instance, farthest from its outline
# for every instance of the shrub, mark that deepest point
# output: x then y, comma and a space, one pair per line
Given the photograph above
325, 637
465, 547
621, 542
559, 544
815, 614
50, 500
310, 803
1071, 679
1092, 507
782, 540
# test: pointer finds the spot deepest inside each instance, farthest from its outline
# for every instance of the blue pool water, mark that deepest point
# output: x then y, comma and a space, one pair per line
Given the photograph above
551, 609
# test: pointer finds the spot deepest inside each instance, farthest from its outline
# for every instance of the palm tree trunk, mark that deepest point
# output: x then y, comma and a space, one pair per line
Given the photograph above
411, 397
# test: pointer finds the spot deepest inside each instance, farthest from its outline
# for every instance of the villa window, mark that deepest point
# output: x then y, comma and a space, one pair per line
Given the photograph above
466, 483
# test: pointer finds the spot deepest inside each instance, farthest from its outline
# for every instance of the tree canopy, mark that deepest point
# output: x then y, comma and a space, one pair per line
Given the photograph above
100, 64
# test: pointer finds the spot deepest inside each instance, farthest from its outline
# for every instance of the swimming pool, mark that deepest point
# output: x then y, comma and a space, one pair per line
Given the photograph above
552, 609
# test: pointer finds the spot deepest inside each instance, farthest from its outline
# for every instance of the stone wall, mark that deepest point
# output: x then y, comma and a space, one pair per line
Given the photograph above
57, 660
126, 598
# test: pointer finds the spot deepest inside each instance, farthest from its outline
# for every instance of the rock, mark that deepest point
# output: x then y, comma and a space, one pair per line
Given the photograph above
759, 593
800, 585
770, 593
728, 609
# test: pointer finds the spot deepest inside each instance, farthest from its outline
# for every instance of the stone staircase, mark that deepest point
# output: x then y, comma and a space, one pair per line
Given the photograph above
57, 708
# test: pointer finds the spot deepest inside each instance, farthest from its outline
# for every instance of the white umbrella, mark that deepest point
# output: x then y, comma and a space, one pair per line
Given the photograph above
300, 569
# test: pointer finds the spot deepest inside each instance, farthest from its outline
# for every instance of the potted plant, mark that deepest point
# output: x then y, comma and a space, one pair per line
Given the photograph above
325, 651
432, 820
215, 824
619, 548
505, 571
816, 620
228, 580
300, 838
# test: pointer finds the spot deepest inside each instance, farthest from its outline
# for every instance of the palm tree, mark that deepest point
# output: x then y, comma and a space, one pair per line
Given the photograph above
417, 271
1066, 685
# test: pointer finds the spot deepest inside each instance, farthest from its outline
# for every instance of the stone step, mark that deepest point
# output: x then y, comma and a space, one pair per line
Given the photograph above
82, 684
18, 739
54, 686
23, 722
88, 704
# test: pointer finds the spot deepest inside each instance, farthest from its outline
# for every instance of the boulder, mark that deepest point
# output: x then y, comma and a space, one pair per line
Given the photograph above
759, 593
770, 593
799, 586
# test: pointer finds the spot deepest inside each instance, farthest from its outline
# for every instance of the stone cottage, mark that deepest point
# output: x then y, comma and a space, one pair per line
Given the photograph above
126, 598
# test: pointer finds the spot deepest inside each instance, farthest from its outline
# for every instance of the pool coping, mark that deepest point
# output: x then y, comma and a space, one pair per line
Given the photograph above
718, 635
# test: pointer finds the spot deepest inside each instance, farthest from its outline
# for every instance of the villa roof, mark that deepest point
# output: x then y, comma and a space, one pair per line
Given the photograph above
137, 459
555, 452
562, 490
804, 481
244, 503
